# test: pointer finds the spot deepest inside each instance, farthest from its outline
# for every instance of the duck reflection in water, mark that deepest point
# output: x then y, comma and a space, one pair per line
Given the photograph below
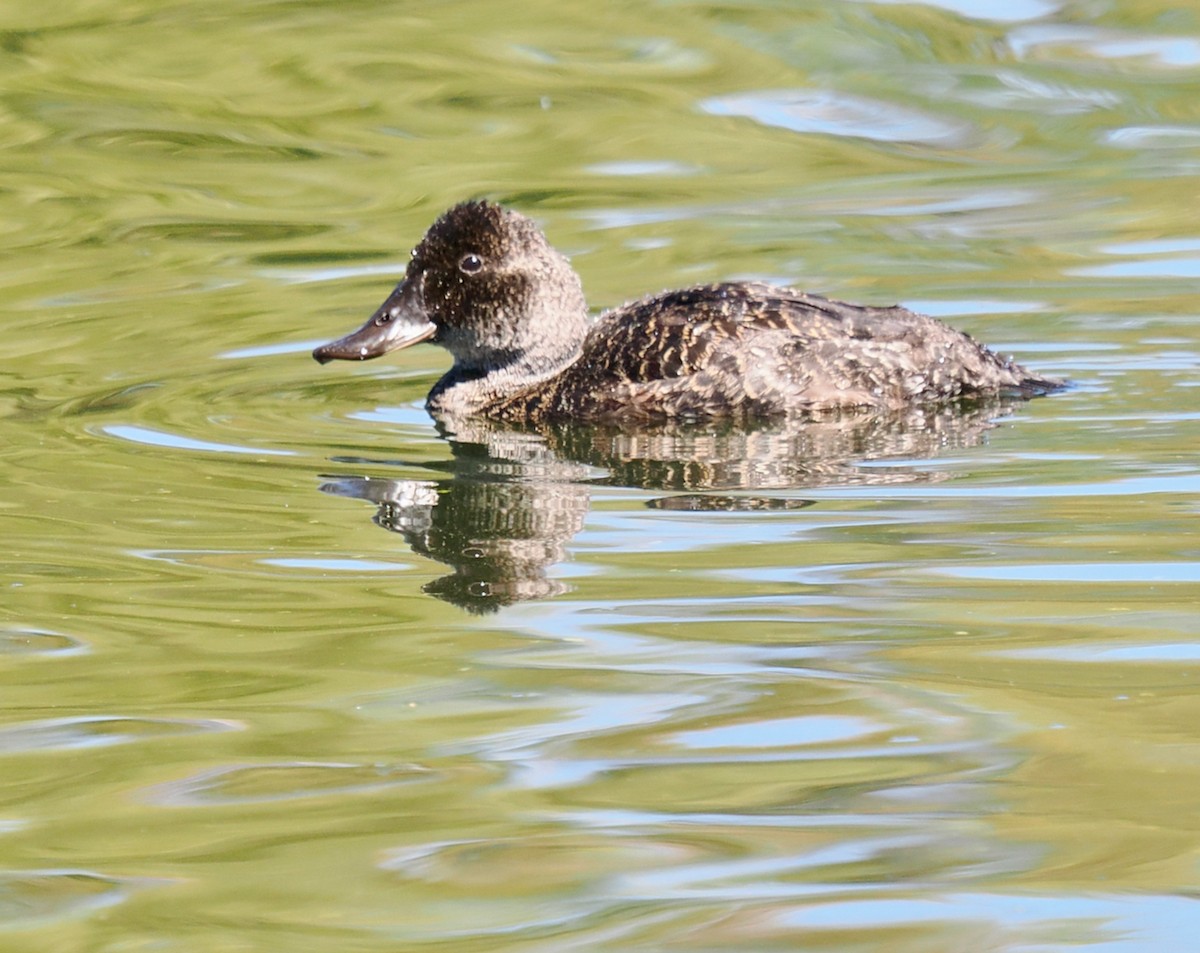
502, 510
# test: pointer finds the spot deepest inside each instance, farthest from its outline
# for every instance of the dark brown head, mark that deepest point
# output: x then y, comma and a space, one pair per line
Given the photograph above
486, 285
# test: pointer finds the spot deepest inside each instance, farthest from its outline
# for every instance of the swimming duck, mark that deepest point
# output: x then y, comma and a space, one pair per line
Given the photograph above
486, 285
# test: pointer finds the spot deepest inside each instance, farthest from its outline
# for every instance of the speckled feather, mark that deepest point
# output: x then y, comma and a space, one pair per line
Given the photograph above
524, 351
756, 350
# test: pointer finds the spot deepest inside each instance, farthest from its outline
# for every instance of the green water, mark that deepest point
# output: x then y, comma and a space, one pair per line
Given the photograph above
283, 668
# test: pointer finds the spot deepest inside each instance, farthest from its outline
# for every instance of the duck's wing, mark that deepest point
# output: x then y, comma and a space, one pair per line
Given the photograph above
717, 350
677, 333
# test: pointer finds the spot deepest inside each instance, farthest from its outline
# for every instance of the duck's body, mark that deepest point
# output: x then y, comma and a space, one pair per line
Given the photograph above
486, 284
749, 350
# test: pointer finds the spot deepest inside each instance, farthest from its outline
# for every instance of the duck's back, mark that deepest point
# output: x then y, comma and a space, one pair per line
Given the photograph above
757, 350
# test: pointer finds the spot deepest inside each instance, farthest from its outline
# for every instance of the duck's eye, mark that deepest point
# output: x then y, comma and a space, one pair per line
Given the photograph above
470, 264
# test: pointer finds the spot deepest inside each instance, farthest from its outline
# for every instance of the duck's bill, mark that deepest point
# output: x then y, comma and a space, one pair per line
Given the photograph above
400, 322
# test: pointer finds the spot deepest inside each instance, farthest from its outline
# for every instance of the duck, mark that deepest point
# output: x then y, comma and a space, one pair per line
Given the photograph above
485, 284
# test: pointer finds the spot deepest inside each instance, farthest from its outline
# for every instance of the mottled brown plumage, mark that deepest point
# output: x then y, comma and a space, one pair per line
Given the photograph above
486, 285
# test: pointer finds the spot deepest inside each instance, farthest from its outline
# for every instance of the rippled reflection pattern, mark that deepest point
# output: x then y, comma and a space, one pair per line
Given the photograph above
284, 667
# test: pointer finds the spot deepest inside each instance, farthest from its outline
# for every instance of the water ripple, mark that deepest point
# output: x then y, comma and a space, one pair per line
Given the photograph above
159, 438
1119, 572
55, 894
264, 783
1073, 41
101, 731
1011, 921
830, 112
39, 642
997, 11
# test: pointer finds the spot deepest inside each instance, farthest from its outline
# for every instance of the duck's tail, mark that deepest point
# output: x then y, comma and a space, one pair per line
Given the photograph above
1030, 384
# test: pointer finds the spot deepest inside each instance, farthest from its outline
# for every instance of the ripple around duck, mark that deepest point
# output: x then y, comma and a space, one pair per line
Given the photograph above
776, 726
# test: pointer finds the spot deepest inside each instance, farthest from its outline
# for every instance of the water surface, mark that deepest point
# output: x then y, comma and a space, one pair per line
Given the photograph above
285, 667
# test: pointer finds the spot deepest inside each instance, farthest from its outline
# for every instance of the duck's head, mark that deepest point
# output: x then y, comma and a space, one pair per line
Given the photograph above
486, 285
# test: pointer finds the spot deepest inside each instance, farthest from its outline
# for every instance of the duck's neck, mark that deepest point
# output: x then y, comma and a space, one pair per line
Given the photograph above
471, 391
517, 356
